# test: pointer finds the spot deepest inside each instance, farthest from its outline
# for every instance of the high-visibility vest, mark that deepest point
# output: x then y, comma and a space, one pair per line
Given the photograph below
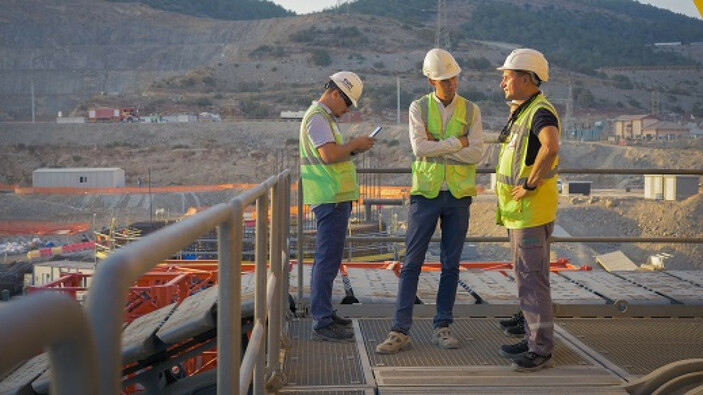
430, 172
538, 207
322, 182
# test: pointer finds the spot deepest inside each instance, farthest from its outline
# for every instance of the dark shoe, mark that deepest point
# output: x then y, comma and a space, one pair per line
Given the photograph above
341, 321
516, 331
531, 362
514, 351
333, 333
516, 319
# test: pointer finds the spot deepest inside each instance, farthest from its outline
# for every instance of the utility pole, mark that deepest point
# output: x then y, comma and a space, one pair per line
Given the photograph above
655, 103
441, 38
32, 88
397, 82
569, 116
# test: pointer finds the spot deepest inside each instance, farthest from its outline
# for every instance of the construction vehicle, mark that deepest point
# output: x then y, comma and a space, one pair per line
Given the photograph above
110, 114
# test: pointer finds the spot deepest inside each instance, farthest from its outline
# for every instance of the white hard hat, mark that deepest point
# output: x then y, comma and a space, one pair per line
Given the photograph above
526, 59
440, 65
349, 83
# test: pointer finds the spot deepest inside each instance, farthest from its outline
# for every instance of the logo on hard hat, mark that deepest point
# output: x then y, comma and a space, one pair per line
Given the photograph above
347, 83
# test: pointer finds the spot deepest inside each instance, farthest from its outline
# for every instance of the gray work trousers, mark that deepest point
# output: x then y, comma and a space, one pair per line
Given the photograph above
530, 251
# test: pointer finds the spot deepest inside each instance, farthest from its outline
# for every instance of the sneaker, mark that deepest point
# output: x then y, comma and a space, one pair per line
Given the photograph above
531, 362
443, 338
514, 351
341, 321
333, 333
395, 342
516, 319
516, 331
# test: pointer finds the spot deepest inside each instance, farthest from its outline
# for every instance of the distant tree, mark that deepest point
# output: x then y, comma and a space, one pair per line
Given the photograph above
320, 57
697, 110
622, 82
584, 97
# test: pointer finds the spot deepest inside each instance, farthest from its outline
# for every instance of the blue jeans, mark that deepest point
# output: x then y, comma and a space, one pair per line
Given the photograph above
332, 221
422, 221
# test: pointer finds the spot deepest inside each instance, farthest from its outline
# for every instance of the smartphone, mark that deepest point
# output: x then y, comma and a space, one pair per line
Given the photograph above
376, 131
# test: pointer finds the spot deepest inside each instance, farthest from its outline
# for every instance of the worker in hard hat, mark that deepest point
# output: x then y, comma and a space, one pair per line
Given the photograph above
446, 135
526, 185
329, 187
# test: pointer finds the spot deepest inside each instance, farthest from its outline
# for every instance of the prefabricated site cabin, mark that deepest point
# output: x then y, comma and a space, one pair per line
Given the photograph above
79, 177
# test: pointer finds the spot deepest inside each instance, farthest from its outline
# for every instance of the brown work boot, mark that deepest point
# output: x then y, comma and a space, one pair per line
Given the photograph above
395, 342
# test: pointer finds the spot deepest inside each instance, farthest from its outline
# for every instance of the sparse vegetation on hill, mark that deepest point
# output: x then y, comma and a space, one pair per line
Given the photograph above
581, 35
604, 33
219, 9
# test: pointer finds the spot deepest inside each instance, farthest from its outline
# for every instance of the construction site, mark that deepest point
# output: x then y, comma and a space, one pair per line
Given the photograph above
625, 270
154, 238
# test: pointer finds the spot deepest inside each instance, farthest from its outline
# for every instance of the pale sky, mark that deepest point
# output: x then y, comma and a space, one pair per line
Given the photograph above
685, 7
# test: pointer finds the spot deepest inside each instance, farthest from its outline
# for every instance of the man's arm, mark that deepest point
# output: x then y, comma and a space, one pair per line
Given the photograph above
334, 153
322, 137
473, 150
549, 138
422, 143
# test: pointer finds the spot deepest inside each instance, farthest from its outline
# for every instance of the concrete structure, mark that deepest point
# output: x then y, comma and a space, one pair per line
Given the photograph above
180, 118
46, 272
79, 177
70, 120
670, 187
630, 127
664, 131
654, 186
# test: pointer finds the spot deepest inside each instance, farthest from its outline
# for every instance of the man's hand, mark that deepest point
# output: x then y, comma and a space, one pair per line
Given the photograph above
519, 192
464, 141
362, 144
429, 136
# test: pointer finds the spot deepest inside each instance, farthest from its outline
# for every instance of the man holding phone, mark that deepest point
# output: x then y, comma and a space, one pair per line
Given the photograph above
329, 187
447, 139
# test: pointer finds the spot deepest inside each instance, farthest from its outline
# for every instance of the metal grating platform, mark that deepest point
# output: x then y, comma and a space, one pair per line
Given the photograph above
674, 288
615, 288
479, 338
639, 345
321, 363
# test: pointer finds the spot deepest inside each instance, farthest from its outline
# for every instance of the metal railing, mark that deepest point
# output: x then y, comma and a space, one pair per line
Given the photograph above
26, 333
302, 238
115, 275
85, 346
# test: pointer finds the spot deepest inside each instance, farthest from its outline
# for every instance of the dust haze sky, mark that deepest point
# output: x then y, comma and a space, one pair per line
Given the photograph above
685, 7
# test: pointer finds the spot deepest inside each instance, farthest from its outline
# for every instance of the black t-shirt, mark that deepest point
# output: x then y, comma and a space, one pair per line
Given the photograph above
542, 119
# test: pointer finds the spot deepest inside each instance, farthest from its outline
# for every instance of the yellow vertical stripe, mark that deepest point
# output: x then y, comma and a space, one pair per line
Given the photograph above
699, 5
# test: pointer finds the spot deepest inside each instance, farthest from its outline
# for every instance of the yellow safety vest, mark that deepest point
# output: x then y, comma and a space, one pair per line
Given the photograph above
538, 207
429, 172
322, 182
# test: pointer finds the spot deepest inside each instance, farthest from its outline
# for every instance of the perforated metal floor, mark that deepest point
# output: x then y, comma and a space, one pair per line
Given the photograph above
476, 365
639, 345
479, 338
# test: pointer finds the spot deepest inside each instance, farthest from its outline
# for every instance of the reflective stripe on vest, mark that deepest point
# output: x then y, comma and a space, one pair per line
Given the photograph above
540, 206
430, 172
323, 182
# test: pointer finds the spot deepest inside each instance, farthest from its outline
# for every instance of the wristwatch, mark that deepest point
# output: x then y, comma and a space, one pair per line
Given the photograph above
528, 188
